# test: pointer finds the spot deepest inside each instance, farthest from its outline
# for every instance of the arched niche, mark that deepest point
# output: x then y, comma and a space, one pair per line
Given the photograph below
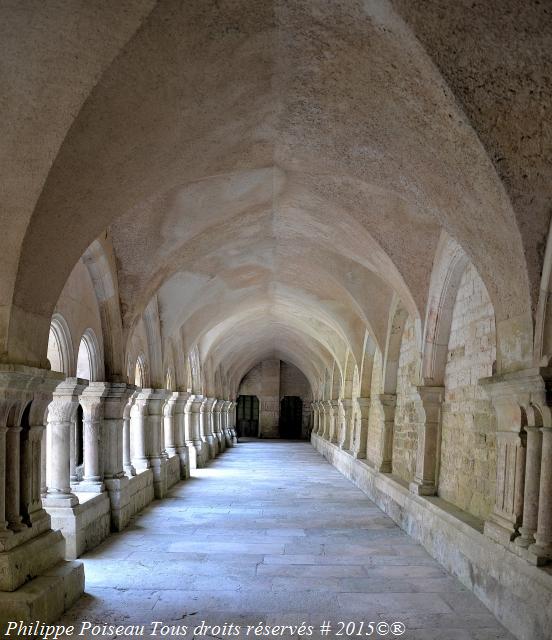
89, 358
60, 346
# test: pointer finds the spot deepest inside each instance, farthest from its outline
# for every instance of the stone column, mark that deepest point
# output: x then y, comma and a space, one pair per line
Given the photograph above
360, 441
138, 429
92, 403
314, 406
13, 475
180, 434
542, 549
4, 531
346, 420
334, 419
117, 467
232, 421
217, 425
206, 427
531, 488
61, 415
169, 424
195, 426
321, 418
320, 430
224, 423
33, 477
425, 478
156, 449
128, 467
31, 548
188, 433
388, 402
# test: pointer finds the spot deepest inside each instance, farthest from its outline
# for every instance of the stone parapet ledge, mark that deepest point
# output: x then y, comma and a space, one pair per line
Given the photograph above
517, 593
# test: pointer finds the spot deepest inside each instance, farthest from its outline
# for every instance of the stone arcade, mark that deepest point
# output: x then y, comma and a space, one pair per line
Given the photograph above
345, 203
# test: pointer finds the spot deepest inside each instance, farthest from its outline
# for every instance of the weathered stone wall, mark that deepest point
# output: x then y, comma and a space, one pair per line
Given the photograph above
409, 409
270, 381
251, 383
375, 422
468, 449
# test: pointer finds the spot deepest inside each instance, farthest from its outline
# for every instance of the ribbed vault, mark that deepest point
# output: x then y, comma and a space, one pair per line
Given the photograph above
287, 168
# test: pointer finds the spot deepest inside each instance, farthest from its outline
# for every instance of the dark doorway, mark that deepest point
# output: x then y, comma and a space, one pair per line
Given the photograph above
291, 417
247, 417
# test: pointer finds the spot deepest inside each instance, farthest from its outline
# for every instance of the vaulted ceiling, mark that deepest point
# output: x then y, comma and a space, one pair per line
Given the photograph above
276, 171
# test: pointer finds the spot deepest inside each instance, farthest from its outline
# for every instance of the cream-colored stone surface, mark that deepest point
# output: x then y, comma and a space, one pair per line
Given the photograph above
349, 200
518, 594
375, 423
408, 414
468, 442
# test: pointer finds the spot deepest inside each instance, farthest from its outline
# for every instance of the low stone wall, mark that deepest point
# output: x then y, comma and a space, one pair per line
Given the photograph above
173, 471
85, 525
518, 594
140, 491
45, 598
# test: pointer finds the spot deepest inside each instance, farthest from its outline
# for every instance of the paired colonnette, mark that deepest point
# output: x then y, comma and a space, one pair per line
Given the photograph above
77, 461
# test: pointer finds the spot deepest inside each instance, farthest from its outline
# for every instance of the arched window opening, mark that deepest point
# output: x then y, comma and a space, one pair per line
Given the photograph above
55, 355
140, 373
169, 380
84, 361
60, 349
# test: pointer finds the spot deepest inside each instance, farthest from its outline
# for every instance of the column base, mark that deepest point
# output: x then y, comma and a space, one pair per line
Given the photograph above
159, 468
117, 489
45, 597
213, 447
64, 500
192, 456
422, 488
182, 453
140, 464
130, 471
386, 466
93, 486
221, 442
525, 539
499, 529
539, 555
358, 455
84, 525
202, 453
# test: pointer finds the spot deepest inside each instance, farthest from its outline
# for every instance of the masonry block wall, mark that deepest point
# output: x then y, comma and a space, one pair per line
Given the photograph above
468, 449
408, 414
270, 381
375, 421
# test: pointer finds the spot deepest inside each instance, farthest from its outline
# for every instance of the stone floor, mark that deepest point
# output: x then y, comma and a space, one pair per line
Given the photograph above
271, 533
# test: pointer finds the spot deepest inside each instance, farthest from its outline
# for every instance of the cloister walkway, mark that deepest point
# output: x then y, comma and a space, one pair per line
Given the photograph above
270, 532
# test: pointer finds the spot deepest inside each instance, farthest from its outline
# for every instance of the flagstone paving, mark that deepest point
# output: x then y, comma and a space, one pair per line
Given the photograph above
271, 533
